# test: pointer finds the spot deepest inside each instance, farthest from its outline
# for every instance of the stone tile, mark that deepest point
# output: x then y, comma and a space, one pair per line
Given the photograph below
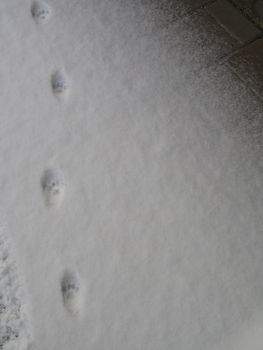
233, 21
250, 9
248, 65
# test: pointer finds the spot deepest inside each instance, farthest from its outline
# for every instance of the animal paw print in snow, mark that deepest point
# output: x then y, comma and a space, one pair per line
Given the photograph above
53, 186
40, 11
71, 292
59, 83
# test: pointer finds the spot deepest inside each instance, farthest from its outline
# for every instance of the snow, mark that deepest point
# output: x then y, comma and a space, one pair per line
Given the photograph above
160, 146
15, 328
40, 11
53, 186
72, 292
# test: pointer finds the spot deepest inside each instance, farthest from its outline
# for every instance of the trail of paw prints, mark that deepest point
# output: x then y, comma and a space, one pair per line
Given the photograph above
59, 84
40, 11
53, 186
71, 292
15, 327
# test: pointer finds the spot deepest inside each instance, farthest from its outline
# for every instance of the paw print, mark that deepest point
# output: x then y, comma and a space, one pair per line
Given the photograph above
59, 83
40, 11
71, 291
53, 186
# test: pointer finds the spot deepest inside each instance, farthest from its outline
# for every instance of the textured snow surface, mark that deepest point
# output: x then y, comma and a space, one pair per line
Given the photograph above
15, 329
160, 144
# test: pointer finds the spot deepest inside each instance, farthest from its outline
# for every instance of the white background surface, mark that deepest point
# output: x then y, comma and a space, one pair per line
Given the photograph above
161, 151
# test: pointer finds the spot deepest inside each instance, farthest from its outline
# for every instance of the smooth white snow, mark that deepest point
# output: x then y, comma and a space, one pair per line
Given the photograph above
163, 215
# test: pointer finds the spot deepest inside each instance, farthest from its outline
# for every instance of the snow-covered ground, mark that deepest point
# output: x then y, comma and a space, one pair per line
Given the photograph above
131, 176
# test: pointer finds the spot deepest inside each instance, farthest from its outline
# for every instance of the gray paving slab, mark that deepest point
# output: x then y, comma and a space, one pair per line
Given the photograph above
233, 21
248, 8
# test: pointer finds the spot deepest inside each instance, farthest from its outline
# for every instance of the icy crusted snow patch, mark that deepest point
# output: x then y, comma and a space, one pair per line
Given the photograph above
15, 331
